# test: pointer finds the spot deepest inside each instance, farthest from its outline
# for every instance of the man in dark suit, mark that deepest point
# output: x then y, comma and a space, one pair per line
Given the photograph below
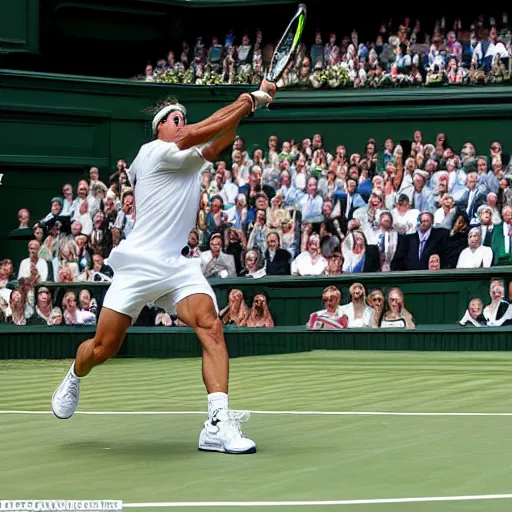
277, 260
486, 225
414, 250
254, 186
474, 196
347, 202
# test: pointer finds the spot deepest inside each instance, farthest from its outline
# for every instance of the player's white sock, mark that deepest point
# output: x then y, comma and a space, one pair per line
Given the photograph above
218, 405
72, 371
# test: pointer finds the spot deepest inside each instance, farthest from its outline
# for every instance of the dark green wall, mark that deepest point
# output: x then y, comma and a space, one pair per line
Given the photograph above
54, 127
166, 342
19, 26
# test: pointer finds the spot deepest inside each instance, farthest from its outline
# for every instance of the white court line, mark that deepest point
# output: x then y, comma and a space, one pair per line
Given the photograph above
313, 503
297, 413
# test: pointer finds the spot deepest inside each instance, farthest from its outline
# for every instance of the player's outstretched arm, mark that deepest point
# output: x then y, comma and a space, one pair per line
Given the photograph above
214, 148
211, 127
217, 124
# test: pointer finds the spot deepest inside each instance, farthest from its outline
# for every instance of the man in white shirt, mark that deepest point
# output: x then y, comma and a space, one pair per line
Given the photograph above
82, 195
367, 215
487, 49
443, 217
124, 220
311, 203
149, 268
287, 189
215, 262
218, 183
476, 255
229, 190
385, 237
422, 197
67, 200
33, 258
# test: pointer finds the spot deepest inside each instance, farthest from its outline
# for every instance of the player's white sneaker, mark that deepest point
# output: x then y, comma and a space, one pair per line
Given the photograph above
226, 436
66, 396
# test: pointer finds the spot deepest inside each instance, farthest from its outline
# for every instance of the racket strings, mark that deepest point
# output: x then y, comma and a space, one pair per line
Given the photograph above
286, 47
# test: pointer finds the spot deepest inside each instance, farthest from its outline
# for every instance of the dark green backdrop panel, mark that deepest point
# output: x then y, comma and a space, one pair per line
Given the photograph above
163, 342
62, 139
19, 26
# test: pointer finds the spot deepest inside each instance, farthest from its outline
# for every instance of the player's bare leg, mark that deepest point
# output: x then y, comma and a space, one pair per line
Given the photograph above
107, 341
198, 312
221, 431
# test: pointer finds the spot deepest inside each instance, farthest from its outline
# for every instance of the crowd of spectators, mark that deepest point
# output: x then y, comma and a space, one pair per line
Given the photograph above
292, 208
388, 310
296, 208
403, 54
362, 311
496, 314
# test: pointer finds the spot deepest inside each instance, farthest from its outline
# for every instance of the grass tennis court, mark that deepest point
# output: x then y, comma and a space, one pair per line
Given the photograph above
153, 459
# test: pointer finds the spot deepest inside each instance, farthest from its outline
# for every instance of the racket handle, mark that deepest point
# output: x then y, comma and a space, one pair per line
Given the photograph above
268, 87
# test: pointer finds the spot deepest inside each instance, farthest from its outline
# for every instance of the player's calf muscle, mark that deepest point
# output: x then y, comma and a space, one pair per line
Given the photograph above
106, 343
106, 348
96, 351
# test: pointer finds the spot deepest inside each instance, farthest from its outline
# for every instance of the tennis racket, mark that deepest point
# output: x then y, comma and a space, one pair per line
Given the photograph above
287, 45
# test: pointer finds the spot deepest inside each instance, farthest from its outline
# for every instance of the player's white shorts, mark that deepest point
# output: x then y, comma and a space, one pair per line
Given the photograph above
141, 279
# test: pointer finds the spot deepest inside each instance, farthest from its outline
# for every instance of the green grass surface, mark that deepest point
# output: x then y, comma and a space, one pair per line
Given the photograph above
154, 458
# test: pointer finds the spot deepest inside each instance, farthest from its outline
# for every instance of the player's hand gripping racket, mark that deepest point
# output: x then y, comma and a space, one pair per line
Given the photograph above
284, 52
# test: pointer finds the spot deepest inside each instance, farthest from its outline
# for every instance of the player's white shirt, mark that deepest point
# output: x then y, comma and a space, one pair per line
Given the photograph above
166, 187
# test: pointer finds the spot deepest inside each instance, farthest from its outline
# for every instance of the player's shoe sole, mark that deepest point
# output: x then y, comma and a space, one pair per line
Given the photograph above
220, 449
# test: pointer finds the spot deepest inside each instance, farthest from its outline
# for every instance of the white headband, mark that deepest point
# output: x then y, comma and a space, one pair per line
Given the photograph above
164, 112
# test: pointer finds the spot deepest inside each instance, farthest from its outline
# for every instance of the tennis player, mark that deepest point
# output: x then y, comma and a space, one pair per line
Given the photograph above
149, 268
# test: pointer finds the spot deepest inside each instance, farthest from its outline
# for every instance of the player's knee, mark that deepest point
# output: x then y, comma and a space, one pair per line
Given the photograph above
105, 347
211, 337
209, 321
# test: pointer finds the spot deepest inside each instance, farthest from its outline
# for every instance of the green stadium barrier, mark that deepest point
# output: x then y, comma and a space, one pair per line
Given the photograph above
36, 342
432, 297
